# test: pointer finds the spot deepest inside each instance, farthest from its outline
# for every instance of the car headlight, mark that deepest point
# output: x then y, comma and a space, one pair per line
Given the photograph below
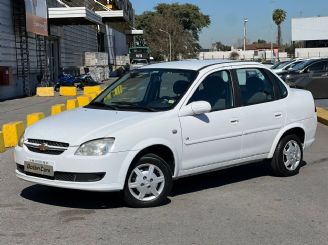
97, 147
21, 141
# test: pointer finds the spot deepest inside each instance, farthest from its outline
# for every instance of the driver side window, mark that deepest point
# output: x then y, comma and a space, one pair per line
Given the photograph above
317, 67
216, 89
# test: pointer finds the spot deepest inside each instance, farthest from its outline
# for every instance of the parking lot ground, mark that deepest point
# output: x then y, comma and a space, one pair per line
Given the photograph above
17, 109
241, 205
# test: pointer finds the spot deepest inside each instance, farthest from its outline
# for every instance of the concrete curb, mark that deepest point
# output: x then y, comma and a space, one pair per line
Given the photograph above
322, 115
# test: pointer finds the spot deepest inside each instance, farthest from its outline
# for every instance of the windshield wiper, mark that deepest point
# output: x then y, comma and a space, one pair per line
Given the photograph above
102, 105
130, 105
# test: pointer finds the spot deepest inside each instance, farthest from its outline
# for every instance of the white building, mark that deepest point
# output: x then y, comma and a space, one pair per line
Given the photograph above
312, 32
242, 55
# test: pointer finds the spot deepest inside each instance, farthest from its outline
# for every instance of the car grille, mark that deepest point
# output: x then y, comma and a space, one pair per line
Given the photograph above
66, 176
46, 146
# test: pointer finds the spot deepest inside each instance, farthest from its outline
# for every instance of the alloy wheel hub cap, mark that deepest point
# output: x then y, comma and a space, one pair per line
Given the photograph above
292, 155
146, 182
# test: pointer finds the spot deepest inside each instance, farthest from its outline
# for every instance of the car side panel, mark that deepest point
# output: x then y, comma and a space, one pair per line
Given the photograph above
300, 114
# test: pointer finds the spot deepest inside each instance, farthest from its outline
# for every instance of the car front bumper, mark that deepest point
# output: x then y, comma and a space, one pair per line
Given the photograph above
114, 166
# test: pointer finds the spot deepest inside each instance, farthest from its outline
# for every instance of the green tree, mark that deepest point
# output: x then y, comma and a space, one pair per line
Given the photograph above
261, 41
184, 23
234, 55
190, 16
278, 17
221, 47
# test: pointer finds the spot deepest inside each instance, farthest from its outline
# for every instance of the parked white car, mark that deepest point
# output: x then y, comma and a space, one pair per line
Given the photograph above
167, 121
137, 63
285, 65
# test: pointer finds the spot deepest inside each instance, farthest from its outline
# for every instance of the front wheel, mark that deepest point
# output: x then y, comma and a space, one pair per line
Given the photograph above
288, 156
148, 183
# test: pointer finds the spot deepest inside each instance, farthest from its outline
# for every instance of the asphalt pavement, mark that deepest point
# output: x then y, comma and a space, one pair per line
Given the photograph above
241, 205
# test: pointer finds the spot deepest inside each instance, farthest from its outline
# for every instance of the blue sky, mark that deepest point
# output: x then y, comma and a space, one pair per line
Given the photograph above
227, 17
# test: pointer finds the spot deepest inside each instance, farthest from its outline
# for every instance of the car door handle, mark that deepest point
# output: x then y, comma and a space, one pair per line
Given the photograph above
234, 121
278, 115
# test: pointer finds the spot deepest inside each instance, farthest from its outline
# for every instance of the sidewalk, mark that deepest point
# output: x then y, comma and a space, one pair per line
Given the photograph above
17, 109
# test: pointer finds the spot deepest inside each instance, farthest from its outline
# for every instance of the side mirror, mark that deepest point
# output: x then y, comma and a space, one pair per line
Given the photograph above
195, 108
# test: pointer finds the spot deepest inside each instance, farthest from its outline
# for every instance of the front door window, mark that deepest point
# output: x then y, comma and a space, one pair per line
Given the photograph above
216, 89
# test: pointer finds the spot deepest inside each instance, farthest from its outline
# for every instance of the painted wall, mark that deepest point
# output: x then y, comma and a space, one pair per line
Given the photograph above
245, 55
311, 52
312, 28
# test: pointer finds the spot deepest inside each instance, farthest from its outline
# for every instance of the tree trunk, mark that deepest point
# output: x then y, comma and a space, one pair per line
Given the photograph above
279, 36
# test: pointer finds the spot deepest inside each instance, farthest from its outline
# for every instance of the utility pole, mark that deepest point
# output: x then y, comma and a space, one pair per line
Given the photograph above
170, 43
245, 32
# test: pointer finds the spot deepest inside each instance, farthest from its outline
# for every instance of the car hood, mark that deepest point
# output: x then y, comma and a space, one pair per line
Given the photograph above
81, 125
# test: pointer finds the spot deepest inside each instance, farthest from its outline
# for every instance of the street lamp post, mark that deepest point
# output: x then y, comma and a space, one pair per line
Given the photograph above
170, 42
245, 33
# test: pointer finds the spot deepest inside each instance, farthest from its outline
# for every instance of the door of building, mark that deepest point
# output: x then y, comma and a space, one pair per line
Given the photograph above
54, 58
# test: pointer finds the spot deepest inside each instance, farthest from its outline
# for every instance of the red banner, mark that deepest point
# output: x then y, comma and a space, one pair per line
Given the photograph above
37, 16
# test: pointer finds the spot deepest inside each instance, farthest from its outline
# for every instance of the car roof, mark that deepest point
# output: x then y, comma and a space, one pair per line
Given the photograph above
194, 64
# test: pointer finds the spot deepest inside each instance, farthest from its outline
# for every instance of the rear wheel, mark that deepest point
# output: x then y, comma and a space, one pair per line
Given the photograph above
148, 182
288, 156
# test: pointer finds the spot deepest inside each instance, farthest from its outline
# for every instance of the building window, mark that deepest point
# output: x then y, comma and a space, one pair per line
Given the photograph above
5, 75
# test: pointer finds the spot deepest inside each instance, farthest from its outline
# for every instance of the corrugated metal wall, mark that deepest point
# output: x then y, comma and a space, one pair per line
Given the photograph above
7, 46
74, 42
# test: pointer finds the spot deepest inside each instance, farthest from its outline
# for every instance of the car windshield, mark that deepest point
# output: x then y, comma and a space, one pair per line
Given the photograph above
302, 65
280, 65
292, 65
146, 90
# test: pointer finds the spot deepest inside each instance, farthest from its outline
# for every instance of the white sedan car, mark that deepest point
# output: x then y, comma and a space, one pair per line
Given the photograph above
137, 63
170, 120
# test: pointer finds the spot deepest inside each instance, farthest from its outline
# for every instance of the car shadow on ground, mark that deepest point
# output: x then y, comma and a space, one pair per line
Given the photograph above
103, 200
222, 177
72, 198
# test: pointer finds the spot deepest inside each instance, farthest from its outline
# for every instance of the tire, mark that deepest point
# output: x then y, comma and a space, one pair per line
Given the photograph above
288, 156
147, 189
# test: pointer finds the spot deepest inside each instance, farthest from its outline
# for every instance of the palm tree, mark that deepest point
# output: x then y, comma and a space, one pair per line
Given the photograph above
279, 16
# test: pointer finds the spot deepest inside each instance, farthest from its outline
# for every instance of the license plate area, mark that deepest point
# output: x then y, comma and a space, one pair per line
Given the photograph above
37, 168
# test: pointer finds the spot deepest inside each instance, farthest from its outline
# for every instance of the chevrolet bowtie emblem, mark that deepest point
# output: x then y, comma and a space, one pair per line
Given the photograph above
43, 147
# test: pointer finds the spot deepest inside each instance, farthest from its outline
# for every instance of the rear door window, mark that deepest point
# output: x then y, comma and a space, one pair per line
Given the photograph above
255, 86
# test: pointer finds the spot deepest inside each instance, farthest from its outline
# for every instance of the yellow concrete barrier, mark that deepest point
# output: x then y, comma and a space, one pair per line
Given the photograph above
12, 132
68, 91
56, 109
33, 118
71, 104
322, 115
83, 100
92, 96
45, 91
91, 89
2, 143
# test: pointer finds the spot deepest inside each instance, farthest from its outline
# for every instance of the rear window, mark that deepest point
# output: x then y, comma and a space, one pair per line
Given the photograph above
283, 92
